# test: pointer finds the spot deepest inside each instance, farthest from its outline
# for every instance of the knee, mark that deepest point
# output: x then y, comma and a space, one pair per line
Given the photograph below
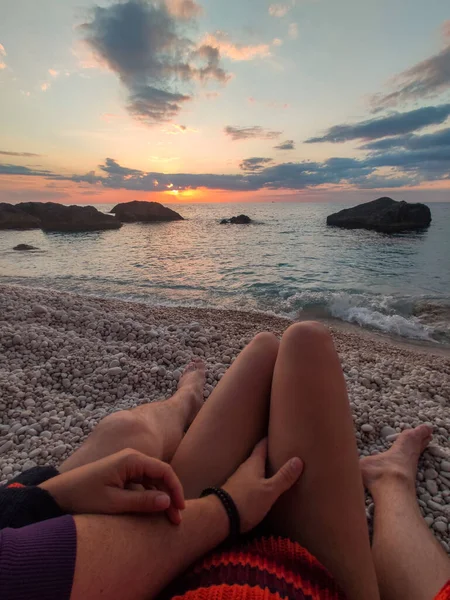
121, 425
307, 334
267, 342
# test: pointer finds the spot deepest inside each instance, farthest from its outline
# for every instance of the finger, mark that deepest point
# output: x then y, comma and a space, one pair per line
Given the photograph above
133, 501
141, 467
259, 456
174, 515
286, 476
260, 450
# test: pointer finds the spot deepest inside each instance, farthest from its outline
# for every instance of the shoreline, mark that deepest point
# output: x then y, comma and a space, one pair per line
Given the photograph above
273, 320
68, 360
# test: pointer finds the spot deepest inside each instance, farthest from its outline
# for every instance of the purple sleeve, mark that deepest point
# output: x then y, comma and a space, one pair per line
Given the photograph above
38, 561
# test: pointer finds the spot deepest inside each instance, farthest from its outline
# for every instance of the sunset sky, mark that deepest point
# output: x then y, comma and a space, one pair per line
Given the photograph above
236, 100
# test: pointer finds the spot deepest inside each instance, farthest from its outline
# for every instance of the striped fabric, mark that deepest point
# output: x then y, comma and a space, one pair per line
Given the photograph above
260, 569
444, 594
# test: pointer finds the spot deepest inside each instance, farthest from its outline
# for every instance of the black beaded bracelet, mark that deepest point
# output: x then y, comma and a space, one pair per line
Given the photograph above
230, 507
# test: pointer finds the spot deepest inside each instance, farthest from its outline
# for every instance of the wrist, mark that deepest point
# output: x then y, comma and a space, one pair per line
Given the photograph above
215, 517
52, 489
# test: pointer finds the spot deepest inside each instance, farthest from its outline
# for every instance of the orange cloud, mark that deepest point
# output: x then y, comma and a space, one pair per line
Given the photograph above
45, 86
2, 53
53, 72
237, 52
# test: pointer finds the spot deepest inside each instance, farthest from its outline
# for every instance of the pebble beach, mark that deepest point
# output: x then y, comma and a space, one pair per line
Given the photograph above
67, 360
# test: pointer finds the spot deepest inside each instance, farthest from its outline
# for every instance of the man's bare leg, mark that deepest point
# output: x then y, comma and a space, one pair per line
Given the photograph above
156, 428
231, 422
409, 561
310, 417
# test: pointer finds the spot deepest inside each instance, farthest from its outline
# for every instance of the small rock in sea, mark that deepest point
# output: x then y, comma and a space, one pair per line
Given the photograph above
239, 220
24, 247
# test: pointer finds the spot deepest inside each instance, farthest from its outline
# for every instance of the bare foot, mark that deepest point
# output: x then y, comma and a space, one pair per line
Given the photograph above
192, 383
399, 463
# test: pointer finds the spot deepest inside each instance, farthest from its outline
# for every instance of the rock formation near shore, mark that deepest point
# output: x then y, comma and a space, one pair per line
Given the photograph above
57, 217
139, 211
239, 220
12, 217
51, 216
384, 215
24, 247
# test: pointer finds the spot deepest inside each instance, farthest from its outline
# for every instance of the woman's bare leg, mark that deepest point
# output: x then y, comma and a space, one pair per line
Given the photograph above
231, 422
310, 417
156, 428
409, 561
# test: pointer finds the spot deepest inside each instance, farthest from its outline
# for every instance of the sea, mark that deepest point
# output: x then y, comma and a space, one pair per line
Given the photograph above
287, 262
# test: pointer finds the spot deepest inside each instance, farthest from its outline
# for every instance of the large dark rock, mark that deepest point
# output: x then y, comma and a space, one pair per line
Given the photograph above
24, 247
385, 215
12, 217
139, 211
57, 217
239, 220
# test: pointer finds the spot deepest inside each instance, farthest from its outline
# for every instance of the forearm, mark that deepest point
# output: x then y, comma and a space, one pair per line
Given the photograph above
125, 557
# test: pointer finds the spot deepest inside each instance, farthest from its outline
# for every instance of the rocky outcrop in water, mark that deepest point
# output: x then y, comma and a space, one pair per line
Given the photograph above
139, 211
24, 247
50, 216
12, 217
239, 220
57, 217
384, 215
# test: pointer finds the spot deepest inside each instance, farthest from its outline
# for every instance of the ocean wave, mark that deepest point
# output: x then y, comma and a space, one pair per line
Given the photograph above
401, 316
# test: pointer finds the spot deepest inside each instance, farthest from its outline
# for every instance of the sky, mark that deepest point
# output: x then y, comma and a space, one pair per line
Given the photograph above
210, 101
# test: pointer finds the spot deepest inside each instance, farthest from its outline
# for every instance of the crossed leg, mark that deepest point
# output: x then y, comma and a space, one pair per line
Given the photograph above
155, 429
309, 417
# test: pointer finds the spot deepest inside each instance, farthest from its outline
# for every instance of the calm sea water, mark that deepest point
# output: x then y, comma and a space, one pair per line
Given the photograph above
286, 262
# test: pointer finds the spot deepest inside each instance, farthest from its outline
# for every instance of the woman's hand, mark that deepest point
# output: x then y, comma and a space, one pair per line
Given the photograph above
253, 494
101, 487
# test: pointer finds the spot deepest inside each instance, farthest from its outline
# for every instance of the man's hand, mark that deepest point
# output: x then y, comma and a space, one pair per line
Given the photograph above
102, 487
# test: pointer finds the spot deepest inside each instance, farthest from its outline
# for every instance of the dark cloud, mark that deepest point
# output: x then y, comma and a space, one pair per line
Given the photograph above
25, 154
287, 145
393, 124
146, 44
254, 164
112, 167
256, 131
438, 139
413, 160
6, 169
427, 79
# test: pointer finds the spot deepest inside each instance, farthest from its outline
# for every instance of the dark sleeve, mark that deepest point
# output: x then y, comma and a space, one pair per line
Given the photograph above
34, 476
21, 503
38, 561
